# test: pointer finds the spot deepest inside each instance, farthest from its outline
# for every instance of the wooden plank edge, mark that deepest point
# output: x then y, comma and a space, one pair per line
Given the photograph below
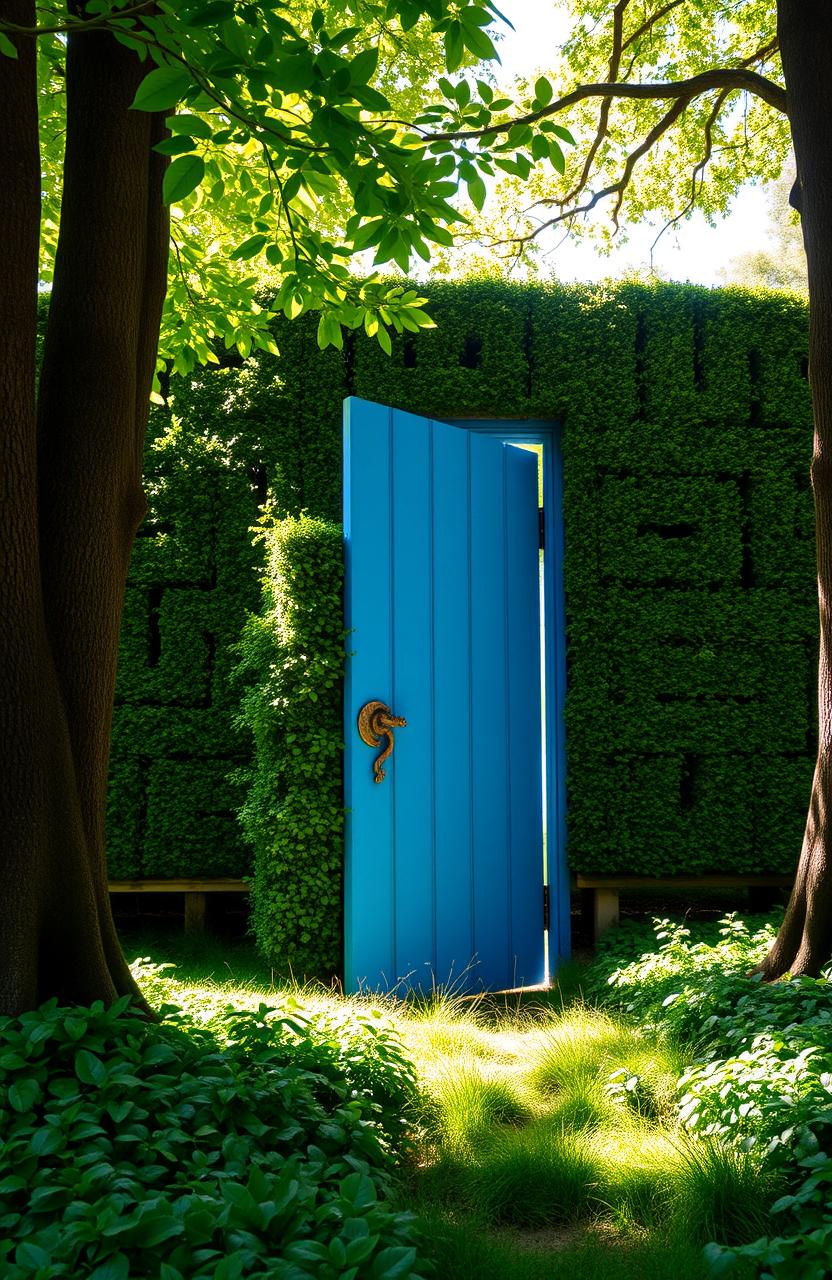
716, 881
179, 886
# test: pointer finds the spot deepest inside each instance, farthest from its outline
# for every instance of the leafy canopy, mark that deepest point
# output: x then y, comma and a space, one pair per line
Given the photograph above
298, 149
719, 123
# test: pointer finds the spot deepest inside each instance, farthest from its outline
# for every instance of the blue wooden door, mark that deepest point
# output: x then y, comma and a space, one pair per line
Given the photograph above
443, 860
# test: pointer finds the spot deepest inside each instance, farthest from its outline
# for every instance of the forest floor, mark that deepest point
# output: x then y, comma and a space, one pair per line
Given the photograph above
547, 1134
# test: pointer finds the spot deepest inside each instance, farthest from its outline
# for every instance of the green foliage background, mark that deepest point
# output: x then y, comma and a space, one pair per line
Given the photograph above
293, 657
689, 571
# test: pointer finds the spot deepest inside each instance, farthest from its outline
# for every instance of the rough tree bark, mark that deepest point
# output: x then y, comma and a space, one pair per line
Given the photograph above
804, 943
70, 503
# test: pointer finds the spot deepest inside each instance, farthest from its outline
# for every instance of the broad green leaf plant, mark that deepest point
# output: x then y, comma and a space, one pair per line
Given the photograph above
302, 155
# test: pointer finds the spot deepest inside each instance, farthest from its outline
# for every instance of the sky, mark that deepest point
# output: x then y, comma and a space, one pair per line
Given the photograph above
694, 251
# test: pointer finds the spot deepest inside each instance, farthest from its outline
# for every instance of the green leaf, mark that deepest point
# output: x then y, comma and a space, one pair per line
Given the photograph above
88, 1068
192, 125
329, 331
454, 47
476, 190
162, 89
478, 42
394, 1263
250, 247
542, 92
462, 93
115, 1268
6, 46
182, 177
557, 157
175, 146
384, 340
31, 1255
363, 65
23, 1094
46, 1141
564, 134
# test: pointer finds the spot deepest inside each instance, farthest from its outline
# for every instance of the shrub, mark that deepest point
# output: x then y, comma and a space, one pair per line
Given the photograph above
803, 1251
293, 658
130, 1148
762, 1082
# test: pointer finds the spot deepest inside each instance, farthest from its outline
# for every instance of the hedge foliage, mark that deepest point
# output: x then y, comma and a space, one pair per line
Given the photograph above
293, 656
689, 570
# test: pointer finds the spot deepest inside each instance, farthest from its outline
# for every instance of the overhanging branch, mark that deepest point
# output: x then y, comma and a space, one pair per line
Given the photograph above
720, 78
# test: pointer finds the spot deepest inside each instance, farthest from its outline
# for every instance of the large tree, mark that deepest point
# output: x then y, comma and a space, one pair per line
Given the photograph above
272, 131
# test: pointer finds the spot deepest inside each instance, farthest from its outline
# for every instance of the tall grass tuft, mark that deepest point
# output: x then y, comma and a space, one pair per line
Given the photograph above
724, 1195
460, 1105
532, 1178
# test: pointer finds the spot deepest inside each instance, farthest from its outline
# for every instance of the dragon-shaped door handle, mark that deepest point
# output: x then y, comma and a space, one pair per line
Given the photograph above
376, 721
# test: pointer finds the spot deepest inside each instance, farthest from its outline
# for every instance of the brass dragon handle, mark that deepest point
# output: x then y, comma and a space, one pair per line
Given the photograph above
376, 721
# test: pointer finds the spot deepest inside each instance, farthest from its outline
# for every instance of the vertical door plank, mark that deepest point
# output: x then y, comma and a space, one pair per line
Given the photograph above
411, 766
489, 709
369, 944
452, 705
524, 737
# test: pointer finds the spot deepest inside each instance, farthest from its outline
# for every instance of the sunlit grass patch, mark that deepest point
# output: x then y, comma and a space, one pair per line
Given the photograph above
583, 1103
588, 1059
460, 1105
525, 1177
637, 1184
463, 1251
577, 1045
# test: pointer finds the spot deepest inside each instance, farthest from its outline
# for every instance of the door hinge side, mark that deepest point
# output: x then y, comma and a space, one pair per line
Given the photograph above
541, 527
546, 912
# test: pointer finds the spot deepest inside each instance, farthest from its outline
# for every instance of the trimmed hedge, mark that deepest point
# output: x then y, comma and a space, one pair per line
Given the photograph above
293, 656
691, 611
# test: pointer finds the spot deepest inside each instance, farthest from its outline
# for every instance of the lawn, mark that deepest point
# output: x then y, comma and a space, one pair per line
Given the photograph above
639, 1120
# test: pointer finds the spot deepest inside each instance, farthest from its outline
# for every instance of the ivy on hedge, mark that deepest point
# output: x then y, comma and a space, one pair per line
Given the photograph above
689, 563
293, 658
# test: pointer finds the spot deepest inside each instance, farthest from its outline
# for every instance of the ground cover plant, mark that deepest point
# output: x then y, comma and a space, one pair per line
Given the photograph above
657, 1114
761, 1078
241, 1144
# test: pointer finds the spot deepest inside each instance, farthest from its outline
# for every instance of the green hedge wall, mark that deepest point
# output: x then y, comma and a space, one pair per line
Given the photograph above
691, 613
292, 660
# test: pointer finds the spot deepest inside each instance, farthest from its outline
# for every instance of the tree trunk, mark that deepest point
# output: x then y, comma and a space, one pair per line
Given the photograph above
804, 942
72, 500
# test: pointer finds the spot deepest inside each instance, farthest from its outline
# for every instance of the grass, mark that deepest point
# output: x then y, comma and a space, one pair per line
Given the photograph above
547, 1140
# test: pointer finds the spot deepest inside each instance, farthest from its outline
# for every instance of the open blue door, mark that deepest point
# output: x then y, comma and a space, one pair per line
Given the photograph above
444, 859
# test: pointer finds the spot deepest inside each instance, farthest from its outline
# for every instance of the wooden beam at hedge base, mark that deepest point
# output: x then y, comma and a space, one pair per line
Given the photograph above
194, 892
217, 885
600, 894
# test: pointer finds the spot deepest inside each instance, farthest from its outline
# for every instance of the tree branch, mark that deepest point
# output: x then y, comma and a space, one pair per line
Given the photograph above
730, 78
604, 113
699, 168
616, 188
651, 22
